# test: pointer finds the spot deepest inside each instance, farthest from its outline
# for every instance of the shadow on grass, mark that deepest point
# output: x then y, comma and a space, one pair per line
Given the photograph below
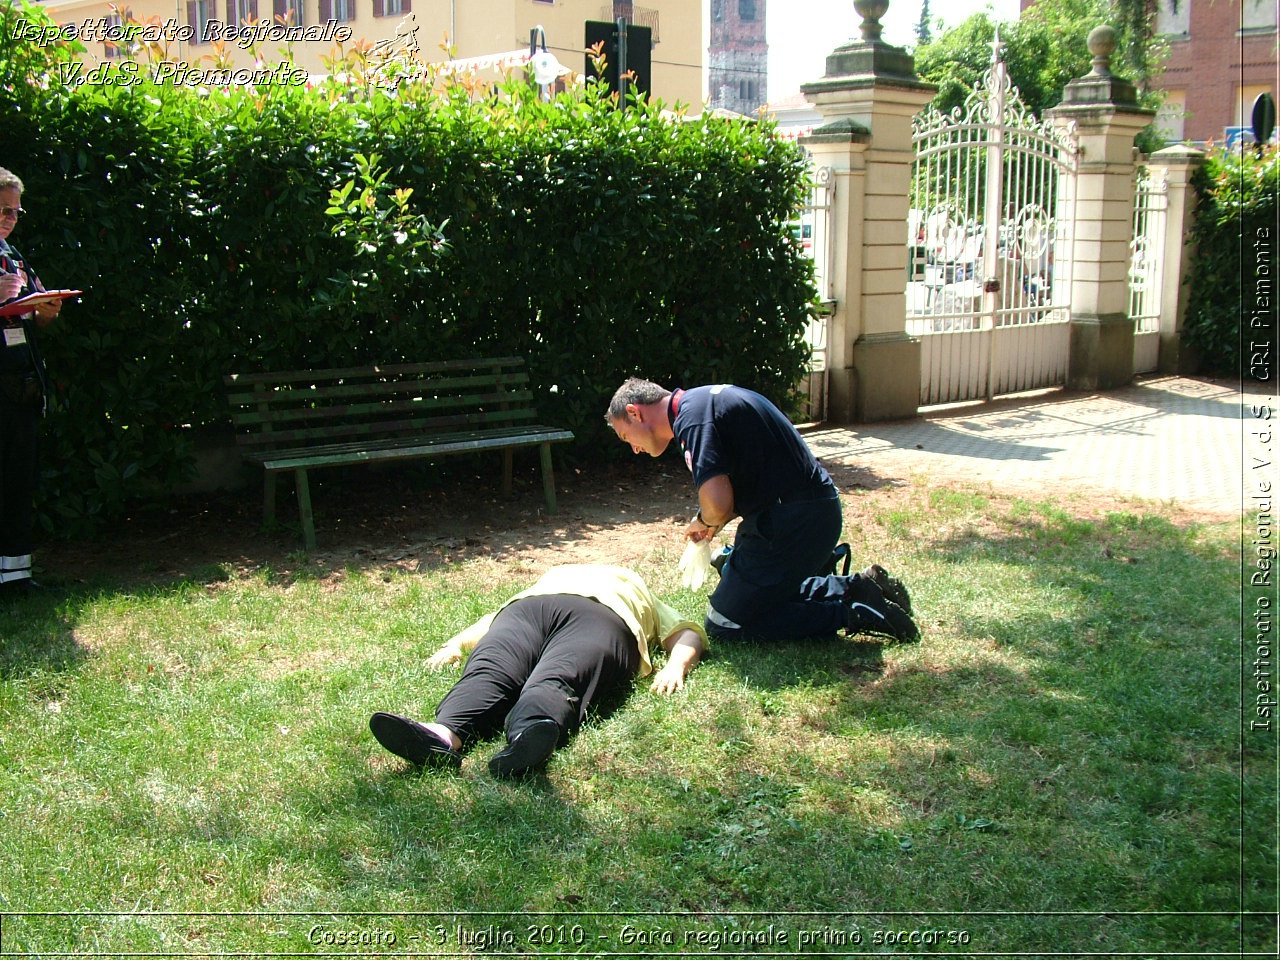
1053, 743
38, 635
1075, 695
399, 516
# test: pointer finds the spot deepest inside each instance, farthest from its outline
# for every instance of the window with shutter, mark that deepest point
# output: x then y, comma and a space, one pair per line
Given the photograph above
1173, 17
289, 13
199, 13
114, 48
239, 12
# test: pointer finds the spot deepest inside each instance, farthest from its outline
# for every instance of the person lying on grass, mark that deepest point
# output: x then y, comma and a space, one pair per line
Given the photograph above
580, 634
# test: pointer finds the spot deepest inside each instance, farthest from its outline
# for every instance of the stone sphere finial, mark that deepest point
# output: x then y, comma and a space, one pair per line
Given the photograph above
871, 11
1102, 44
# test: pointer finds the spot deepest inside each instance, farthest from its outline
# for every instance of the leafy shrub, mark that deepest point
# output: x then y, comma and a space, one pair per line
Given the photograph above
1236, 207
280, 227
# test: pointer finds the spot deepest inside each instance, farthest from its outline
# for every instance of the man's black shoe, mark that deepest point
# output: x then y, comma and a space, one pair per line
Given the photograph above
26, 587
530, 748
890, 586
902, 627
412, 741
870, 612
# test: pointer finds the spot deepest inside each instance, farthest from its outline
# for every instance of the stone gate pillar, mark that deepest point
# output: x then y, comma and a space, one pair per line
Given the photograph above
1176, 166
1107, 118
867, 98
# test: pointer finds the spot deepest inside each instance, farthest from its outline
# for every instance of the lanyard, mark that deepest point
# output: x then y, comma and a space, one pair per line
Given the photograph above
675, 403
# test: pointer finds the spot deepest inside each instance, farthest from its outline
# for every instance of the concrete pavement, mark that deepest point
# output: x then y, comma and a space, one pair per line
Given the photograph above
1162, 438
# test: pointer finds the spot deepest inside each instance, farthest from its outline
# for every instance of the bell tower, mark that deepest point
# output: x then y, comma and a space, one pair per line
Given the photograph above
738, 56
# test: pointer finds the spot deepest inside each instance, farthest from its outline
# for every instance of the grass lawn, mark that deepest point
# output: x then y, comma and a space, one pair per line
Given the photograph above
1055, 769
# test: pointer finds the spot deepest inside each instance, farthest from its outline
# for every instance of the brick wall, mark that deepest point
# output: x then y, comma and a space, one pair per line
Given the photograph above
1213, 63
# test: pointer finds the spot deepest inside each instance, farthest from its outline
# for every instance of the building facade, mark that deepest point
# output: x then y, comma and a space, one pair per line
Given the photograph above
1222, 55
737, 58
438, 30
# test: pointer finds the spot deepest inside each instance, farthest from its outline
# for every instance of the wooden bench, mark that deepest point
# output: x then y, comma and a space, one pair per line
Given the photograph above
323, 418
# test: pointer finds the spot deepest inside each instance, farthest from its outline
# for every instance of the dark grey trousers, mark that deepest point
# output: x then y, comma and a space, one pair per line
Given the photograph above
543, 657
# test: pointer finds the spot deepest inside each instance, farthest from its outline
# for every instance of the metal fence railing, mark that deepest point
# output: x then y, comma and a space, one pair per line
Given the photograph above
1146, 267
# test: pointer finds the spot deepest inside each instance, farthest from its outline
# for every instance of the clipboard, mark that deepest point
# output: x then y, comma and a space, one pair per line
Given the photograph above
26, 304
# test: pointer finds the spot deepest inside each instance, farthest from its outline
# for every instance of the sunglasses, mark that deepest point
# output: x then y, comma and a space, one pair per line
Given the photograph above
11, 213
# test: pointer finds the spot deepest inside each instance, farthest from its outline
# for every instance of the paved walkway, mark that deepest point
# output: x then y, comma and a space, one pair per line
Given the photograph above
1163, 438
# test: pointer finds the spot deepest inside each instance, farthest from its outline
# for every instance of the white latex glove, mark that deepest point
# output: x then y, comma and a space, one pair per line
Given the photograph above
695, 564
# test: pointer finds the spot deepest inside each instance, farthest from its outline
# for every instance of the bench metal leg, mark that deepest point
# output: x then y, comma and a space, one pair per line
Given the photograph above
304, 509
508, 457
269, 499
548, 477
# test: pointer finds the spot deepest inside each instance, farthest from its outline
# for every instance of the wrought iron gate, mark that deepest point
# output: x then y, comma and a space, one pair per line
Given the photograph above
813, 230
1146, 274
990, 237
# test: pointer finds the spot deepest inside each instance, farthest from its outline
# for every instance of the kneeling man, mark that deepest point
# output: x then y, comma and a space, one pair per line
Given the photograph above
748, 460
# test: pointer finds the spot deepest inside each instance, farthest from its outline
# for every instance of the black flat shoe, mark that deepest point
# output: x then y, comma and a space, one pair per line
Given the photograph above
26, 587
530, 748
412, 741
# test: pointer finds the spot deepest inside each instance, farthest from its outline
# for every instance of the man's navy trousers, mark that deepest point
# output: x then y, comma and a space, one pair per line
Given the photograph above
770, 588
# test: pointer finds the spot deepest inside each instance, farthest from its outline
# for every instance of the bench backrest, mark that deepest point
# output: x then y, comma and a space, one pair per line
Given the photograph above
303, 408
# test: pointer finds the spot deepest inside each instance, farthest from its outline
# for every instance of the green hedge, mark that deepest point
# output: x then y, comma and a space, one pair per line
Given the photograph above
1237, 205
211, 233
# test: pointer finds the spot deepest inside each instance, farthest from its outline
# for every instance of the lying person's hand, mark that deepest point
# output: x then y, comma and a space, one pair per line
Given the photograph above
669, 679
444, 657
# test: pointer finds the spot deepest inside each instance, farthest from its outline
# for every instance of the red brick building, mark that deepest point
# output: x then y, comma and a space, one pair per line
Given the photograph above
1222, 55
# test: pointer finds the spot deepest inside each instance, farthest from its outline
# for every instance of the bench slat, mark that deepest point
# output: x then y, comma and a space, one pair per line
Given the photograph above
338, 454
250, 417
406, 429
460, 387
393, 369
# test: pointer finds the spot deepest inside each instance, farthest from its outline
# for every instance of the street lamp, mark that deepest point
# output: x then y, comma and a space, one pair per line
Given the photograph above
546, 68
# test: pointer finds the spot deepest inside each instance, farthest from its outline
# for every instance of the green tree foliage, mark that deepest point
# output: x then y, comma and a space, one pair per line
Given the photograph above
1044, 50
1236, 238
1142, 49
277, 227
1039, 62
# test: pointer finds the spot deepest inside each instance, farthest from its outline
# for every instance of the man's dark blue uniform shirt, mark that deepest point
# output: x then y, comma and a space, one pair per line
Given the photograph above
726, 430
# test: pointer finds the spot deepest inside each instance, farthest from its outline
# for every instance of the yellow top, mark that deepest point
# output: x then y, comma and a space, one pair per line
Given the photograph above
621, 590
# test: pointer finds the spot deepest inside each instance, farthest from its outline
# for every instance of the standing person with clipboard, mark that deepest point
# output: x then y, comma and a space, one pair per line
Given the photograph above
23, 388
